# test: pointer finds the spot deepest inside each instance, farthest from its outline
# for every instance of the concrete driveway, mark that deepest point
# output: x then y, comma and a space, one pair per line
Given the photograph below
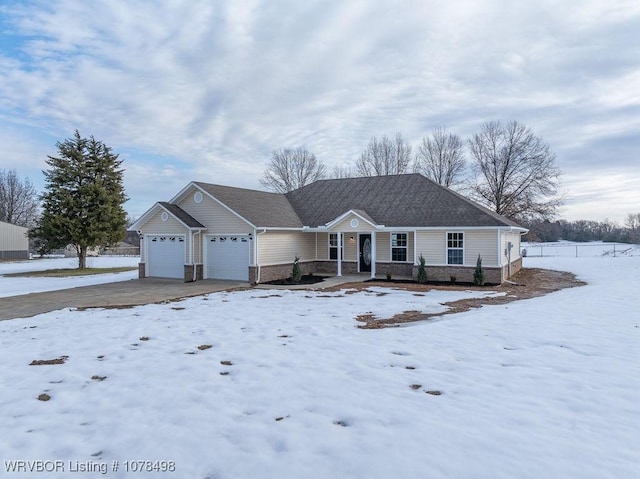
124, 293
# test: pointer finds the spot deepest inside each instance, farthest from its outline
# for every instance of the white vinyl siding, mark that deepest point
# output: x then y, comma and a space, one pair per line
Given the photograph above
350, 247
345, 225
432, 245
283, 247
215, 217
383, 252
515, 250
323, 245
481, 243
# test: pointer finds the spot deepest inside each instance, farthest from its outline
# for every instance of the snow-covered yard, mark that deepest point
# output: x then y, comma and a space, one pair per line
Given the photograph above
13, 286
547, 387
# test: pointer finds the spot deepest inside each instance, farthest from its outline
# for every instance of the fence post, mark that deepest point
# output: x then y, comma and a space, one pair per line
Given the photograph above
614, 250
576, 251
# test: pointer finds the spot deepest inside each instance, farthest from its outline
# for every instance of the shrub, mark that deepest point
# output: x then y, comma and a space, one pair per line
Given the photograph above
478, 274
388, 276
453, 278
422, 271
296, 273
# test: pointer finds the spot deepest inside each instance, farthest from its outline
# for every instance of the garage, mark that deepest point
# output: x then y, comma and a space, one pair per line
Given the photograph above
166, 256
227, 257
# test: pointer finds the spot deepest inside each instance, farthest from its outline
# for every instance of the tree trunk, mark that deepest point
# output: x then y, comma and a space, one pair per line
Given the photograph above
82, 257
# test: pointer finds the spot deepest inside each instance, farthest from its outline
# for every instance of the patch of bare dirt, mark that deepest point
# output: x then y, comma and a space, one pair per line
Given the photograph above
49, 362
527, 283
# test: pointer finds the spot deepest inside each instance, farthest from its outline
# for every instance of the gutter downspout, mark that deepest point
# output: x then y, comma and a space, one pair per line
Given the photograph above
339, 254
193, 242
264, 230
500, 255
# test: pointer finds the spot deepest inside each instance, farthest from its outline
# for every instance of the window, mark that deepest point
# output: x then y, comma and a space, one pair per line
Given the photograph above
333, 246
455, 245
398, 246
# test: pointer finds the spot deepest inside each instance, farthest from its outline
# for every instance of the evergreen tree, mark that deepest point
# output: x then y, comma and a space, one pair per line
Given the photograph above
478, 274
83, 198
296, 273
422, 270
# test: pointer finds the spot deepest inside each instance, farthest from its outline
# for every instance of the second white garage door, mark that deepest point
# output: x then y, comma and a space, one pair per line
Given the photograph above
228, 257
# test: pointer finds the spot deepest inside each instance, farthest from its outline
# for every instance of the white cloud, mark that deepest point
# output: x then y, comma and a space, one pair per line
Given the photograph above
215, 87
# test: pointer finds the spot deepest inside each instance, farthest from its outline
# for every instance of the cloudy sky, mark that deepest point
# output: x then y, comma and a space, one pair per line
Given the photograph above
205, 90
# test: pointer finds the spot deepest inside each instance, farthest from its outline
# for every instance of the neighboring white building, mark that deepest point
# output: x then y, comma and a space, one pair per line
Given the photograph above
14, 243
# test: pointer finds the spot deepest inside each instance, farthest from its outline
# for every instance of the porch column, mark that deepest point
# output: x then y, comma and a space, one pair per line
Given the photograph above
373, 254
339, 235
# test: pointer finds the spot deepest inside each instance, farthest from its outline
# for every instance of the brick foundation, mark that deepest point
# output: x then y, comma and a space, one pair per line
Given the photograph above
463, 274
188, 272
396, 270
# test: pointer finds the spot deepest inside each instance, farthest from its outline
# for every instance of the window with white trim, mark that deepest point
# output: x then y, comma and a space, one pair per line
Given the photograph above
399, 247
333, 246
455, 248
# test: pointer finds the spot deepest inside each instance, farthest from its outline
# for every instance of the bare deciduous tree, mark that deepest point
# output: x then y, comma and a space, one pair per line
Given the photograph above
440, 157
632, 221
18, 199
290, 169
384, 156
514, 171
342, 171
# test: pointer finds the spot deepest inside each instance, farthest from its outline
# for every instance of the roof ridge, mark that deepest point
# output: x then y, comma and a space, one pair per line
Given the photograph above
198, 183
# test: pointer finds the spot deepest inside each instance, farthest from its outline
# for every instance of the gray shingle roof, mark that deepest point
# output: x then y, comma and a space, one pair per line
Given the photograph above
261, 208
396, 200
182, 215
409, 200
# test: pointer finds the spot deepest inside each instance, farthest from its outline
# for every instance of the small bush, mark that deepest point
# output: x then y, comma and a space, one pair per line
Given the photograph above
422, 271
388, 276
478, 274
296, 273
453, 278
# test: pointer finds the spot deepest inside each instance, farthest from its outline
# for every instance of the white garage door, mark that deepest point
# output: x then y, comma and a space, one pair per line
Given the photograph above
228, 257
166, 256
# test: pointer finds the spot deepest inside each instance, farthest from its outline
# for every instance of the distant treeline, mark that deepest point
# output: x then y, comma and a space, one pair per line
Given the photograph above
584, 230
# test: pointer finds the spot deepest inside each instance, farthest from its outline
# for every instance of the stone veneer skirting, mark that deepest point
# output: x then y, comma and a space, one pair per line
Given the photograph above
463, 274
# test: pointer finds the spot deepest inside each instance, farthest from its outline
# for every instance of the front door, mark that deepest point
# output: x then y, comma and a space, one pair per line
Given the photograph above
365, 253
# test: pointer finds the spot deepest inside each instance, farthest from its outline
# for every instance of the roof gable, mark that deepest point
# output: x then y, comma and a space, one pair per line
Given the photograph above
260, 208
358, 215
174, 210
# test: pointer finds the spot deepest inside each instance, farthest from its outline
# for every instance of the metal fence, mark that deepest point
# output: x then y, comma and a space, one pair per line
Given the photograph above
578, 250
121, 251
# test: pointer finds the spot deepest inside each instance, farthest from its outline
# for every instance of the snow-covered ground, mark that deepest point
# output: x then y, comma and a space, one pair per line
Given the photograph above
13, 286
546, 387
